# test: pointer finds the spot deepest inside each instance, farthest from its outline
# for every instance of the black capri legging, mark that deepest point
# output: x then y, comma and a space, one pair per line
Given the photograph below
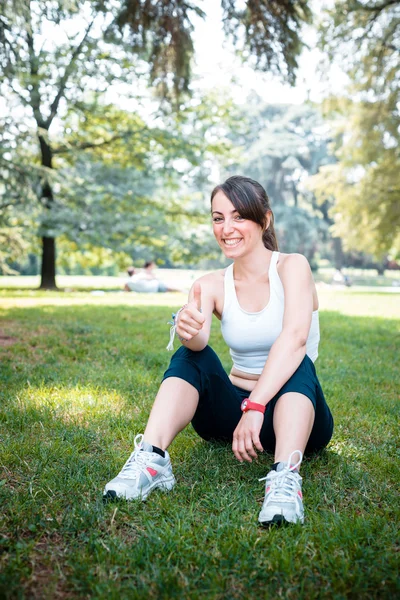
218, 411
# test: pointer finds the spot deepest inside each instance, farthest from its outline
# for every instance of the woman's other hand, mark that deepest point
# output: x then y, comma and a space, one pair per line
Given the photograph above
246, 437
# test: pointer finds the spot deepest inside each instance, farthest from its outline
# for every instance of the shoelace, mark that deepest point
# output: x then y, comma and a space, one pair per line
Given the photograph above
136, 462
284, 483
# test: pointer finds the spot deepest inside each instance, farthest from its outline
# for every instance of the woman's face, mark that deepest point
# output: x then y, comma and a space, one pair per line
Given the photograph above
235, 235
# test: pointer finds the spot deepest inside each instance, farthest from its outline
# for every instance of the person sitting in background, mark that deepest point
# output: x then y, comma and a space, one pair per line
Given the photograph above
140, 282
145, 281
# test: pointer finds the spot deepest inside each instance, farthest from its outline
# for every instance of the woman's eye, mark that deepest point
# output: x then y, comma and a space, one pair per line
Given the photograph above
217, 219
239, 218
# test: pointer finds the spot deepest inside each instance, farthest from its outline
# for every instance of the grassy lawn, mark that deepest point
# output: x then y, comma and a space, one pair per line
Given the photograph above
78, 374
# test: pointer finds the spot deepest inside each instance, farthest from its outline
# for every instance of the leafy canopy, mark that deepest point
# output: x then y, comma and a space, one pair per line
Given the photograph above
365, 38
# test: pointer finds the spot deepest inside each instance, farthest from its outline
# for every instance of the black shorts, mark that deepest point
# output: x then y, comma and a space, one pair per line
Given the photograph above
218, 411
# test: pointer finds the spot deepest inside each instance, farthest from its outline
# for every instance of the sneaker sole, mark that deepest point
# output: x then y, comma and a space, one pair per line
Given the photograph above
276, 520
166, 485
279, 520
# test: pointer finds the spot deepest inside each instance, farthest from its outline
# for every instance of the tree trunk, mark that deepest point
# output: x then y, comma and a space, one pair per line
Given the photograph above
48, 270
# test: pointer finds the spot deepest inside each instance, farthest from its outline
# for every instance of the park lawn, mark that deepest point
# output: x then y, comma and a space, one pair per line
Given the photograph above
76, 384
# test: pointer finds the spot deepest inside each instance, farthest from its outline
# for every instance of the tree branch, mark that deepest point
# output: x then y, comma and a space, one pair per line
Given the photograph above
35, 100
89, 145
65, 77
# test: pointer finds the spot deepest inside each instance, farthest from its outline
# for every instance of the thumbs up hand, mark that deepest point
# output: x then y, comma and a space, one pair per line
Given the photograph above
197, 295
190, 319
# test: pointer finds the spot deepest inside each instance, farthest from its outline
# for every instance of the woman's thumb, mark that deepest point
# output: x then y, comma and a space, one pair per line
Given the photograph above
197, 295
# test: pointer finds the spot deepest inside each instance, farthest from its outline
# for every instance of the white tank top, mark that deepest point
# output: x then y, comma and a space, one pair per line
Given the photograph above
251, 335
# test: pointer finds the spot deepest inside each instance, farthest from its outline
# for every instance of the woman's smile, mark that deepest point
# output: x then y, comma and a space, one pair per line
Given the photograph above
231, 242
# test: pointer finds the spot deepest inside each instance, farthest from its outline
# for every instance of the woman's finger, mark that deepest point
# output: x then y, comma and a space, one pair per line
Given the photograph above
192, 313
250, 447
256, 442
235, 449
185, 330
242, 450
190, 323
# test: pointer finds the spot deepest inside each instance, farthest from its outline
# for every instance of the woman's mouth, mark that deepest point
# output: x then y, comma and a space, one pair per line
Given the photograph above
232, 242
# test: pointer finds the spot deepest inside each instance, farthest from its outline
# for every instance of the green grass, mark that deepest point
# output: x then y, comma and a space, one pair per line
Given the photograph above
76, 384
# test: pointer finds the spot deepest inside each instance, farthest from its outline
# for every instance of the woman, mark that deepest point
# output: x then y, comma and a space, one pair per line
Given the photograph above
272, 399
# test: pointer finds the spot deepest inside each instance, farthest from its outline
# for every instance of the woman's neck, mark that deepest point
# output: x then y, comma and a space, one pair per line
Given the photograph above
254, 265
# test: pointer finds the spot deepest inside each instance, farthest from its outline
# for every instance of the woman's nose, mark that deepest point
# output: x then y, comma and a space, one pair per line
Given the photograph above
228, 226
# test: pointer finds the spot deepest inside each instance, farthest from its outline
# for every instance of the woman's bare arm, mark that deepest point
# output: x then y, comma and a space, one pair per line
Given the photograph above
290, 347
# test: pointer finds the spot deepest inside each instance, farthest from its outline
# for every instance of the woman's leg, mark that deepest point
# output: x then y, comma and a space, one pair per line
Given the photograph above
293, 421
205, 396
297, 419
173, 409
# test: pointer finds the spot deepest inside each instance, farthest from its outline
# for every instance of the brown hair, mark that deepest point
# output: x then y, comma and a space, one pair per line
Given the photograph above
251, 201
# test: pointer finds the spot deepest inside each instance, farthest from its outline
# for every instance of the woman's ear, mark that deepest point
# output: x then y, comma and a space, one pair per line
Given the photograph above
268, 216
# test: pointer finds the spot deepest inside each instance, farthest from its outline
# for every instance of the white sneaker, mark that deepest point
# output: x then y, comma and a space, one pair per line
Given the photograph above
143, 472
283, 502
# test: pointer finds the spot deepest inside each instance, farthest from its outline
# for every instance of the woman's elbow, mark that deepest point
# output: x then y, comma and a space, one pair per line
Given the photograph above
297, 338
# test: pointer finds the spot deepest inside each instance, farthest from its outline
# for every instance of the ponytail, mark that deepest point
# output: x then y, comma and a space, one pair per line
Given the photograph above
269, 235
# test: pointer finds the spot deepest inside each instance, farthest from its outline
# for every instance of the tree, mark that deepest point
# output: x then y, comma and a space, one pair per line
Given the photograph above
364, 183
284, 145
17, 201
56, 56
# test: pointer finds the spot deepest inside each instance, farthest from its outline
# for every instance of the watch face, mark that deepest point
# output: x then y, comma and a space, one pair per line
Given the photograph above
244, 405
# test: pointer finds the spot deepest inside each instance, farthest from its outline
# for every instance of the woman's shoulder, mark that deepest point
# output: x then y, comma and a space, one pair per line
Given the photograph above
213, 278
212, 287
292, 261
294, 267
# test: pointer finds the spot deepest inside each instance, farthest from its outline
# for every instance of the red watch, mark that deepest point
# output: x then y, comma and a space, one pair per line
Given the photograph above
248, 405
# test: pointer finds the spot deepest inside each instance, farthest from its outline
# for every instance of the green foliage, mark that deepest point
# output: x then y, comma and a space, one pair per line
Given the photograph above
109, 178
364, 183
77, 383
299, 231
19, 181
60, 59
160, 31
267, 32
282, 145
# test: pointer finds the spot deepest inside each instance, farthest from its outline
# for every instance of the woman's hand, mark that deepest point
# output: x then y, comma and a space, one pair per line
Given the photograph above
190, 319
246, 436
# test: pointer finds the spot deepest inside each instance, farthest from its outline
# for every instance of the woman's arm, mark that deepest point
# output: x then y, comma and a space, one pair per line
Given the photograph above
289, 349
194, 321
285, 355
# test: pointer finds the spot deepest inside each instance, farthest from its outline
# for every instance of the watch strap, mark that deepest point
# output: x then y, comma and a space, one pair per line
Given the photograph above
249, 405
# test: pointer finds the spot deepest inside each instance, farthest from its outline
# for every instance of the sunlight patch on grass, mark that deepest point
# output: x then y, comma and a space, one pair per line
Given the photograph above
352, 303
345, 301
21, 300
77, 404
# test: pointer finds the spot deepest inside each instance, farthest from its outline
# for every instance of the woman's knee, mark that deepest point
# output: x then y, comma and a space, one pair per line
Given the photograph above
204, 357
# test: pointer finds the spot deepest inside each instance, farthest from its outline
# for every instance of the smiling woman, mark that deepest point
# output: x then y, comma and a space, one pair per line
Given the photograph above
271, 400
249, 202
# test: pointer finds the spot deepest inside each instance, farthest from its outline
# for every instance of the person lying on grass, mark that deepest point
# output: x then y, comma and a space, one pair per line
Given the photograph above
271, 400
145, 281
